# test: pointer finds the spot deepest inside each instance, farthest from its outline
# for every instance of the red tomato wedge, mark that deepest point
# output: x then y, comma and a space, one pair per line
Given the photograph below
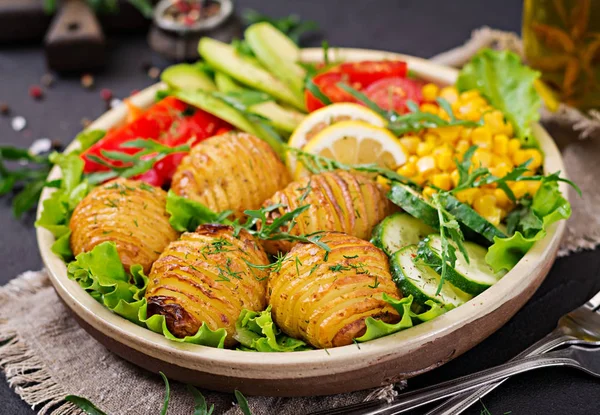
167, 122
392, 93
357, 74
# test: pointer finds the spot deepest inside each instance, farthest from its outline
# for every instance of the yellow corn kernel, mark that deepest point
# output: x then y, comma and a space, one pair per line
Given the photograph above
494, 216
469, 111
410, 143
428, 107
430, 92
428, 192
513, 146
462, 146
508, 129
413, 159
502, 199
383, 181
482, 158
408, 170
482, 137
465, 134
426, 165
501, 169
424, 149
430, 138
500, 144
469, 95
494, 120
533, 187
519, 189
418, 179
448, 134
449, 93
444, 161
455, 176
521, 156
468, 195
484, 204
442, 180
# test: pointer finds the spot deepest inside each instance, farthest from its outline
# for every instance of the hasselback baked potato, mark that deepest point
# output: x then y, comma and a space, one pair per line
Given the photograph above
325, 299
205, 277
343, 201
127, 212
234, 171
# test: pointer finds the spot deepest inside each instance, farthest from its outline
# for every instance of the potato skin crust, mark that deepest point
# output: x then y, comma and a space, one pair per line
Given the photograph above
234, 171
340, 201
326, 302
127, 212
204, 277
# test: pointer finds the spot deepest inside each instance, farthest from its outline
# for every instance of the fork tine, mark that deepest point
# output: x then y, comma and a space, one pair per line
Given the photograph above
594, 302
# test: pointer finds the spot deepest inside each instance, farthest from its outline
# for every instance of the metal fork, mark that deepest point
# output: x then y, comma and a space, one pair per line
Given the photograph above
579, 327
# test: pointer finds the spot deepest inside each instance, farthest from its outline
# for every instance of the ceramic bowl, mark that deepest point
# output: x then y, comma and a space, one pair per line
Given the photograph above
318, 372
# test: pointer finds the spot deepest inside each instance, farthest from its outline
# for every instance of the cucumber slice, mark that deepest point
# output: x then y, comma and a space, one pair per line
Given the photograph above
399, 230
471, 219
187, 77
224, 58
277, 53
414, 203
473, 277
421, 281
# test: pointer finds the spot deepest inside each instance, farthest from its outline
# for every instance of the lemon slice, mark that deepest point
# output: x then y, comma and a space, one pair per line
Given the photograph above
317, 121
357, 142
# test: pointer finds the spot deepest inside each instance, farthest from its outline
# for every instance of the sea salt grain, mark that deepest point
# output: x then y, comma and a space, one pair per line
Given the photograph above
18, 123
41, 145
115, 102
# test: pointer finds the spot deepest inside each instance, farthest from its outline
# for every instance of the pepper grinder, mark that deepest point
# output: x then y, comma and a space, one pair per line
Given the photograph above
179, 25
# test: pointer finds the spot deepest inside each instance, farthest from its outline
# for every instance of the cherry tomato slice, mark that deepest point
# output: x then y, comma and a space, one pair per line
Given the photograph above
357, 74
364, 73
392, 93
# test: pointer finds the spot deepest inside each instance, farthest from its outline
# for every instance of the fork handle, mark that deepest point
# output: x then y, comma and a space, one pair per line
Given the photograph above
443, 390
460, 403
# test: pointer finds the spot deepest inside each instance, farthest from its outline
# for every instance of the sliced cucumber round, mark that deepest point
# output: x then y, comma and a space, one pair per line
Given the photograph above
471, 219
414, 203
473, 277
422, 281
399, 230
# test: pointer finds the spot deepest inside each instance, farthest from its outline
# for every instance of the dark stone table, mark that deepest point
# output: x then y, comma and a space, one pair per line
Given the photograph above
417, 27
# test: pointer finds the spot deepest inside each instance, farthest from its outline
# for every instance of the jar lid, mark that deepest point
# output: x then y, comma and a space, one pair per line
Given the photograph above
191, 16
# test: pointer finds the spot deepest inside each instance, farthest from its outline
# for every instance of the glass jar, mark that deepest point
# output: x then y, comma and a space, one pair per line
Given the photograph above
561, 39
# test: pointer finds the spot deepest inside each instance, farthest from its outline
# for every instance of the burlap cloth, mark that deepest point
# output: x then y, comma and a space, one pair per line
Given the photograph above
46, 355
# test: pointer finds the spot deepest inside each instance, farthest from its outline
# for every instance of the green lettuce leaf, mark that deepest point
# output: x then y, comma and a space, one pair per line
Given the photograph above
256, 331
378, 328
57, 209
101, 273
187, 214
548, 206
508, 84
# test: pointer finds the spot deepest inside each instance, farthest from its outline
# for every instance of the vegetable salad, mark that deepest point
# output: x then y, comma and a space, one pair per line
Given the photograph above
271, 205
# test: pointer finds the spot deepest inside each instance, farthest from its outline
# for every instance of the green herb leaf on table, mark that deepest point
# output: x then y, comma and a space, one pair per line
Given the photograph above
242, 402
165, 407
508, 85
84, 404
200, 406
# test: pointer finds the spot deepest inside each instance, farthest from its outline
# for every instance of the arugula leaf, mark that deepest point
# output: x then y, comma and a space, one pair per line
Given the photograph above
316, 91
242, 402
84, 404
200, 406
508, 85
167, 394
256, 331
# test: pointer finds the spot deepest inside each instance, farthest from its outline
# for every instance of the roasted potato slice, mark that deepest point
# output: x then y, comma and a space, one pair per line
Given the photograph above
325, 299
205, 277
127, 212
341, 201
234, 171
